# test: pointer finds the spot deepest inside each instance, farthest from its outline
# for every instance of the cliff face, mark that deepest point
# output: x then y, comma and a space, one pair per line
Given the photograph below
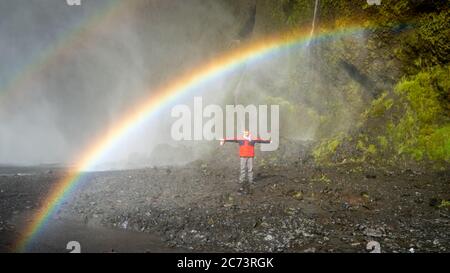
380, 94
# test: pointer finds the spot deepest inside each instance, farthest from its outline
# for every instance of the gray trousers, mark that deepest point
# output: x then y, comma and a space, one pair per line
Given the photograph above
246, 167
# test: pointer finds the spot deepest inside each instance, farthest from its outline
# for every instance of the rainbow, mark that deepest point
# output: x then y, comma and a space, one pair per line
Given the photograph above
183, 84
66, 43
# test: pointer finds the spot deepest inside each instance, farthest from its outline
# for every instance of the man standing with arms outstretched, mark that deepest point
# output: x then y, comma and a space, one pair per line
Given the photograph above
246, 153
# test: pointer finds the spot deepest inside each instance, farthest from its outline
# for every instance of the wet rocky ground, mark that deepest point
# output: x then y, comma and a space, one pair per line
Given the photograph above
295, 206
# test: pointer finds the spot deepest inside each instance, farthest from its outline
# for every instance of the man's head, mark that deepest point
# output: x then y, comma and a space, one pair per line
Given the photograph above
246, 133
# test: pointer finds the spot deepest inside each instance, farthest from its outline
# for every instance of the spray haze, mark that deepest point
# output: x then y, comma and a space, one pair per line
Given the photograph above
112, 66
117, 62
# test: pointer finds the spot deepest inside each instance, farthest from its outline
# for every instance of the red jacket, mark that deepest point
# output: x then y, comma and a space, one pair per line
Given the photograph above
247, 147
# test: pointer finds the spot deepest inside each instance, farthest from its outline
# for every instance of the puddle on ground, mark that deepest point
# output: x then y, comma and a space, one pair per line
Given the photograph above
57, 233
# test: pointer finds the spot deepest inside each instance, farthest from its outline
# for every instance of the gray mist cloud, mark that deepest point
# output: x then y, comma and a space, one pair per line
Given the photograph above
74, 94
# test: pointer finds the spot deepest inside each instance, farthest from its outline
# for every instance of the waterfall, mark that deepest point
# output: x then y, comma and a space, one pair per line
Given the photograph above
237, 88
314, 20
309, 75
245, 33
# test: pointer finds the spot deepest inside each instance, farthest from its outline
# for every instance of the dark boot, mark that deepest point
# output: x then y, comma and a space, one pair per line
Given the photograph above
252, 183
244, 189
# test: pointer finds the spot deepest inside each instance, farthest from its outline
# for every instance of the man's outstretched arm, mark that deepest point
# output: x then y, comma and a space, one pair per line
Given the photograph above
259, 140
222, 141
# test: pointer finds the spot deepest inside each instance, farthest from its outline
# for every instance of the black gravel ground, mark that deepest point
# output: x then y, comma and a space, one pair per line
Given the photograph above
295, 206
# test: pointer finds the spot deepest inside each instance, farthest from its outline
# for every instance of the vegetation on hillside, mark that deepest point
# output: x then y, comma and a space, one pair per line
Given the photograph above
395, 99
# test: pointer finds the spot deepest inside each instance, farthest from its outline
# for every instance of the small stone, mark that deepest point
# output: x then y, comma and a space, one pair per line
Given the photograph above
433, 202
373, 232
297, 195
310, 250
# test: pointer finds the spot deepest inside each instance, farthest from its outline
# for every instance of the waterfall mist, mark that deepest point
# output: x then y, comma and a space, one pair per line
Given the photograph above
60, 89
